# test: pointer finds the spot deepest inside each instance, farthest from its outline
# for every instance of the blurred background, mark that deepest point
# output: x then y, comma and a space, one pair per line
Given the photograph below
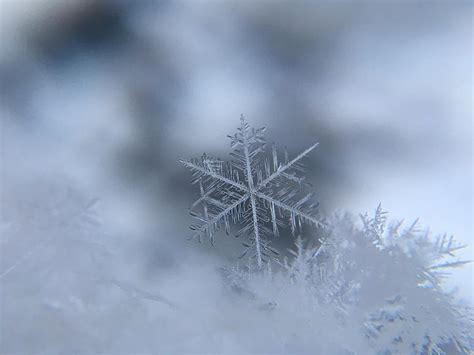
104, 98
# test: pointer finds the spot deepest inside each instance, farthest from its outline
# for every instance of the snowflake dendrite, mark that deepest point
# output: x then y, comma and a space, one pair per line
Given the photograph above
253, 189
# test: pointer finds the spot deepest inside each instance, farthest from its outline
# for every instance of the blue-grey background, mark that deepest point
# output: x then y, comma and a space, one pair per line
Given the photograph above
107, 96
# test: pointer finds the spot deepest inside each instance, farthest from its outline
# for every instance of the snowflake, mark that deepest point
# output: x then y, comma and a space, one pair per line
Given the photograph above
255, 190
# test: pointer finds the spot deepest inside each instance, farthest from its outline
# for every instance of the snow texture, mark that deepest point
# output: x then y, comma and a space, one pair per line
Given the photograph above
366, 289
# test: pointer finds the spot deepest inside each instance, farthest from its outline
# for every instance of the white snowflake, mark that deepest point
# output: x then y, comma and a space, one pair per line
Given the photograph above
253, 189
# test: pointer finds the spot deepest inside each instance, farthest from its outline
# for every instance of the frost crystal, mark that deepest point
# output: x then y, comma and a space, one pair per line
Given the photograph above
370, 288
257, 191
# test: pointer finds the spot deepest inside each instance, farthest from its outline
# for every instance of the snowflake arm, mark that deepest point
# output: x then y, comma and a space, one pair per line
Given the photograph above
280, 170
202, 171
210, 225
249, 176
294, 210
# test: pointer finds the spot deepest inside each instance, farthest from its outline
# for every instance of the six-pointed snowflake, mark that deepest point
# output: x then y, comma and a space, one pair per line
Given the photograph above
254, 190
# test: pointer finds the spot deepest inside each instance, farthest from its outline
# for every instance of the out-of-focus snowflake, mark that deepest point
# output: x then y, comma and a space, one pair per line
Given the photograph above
374, 288
260, 192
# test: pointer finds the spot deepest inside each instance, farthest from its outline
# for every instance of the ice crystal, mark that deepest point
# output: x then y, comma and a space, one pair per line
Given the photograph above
260, 192
367, 289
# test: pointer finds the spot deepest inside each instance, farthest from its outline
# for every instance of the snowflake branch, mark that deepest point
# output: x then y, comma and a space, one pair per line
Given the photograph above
213, 174
288, 165
450, 264
218, 217
293, 210
252, 196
